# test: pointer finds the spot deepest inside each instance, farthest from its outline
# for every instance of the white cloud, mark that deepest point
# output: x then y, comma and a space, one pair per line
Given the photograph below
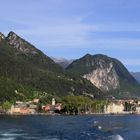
76, 35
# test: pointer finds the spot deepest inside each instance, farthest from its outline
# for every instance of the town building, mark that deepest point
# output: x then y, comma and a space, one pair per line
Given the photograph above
23, 108
138, 109
51, 108
116, 107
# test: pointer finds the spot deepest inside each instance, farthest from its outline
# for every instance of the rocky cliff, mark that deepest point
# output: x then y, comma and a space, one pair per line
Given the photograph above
105, 78
106, 73
20, 44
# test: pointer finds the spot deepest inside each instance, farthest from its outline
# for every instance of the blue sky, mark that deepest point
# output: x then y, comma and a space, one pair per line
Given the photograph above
72, 28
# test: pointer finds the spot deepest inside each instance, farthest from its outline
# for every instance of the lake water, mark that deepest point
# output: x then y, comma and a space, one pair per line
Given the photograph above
92, 127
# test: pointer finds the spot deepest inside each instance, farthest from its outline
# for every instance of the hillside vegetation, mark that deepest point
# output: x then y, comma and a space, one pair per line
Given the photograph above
27, 70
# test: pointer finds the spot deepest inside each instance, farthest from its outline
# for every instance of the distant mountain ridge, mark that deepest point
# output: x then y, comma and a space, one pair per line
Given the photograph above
63, 62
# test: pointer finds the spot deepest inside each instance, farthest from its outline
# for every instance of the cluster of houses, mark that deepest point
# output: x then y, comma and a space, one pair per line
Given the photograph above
122, 107
20, 107
31, 107
113, 107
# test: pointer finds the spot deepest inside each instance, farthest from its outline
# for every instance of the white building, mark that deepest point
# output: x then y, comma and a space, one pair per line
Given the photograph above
138, 109
115, 107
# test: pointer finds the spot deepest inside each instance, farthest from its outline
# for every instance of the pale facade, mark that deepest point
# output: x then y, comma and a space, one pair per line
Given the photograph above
23, 108
115, 108
138, 109
14, 109
138, 102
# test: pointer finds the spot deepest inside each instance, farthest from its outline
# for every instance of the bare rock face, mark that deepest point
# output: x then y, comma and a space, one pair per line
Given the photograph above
107, 74
104, 77
20, 44
99, 70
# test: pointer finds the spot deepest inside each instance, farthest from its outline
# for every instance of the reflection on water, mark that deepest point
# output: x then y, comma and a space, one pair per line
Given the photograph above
90, 127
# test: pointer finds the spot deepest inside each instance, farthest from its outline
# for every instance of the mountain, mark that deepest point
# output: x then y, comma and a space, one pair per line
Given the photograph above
62, 62
107, 74
136, 75
29, 71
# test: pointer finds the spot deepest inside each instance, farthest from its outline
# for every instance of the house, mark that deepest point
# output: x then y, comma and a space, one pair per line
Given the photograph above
23, 108
138, 102
36, 101
32, 108
24, 111
47, 108
138, 109
58, 106
53, 107
14, 109
115, 106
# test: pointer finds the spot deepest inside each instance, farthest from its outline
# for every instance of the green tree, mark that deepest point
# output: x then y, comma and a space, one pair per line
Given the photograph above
6, 105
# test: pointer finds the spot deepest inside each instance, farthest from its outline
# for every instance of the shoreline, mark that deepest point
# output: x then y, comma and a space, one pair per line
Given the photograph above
56, 114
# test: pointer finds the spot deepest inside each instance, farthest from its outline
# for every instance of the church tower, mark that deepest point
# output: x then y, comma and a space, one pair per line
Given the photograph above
53, 101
